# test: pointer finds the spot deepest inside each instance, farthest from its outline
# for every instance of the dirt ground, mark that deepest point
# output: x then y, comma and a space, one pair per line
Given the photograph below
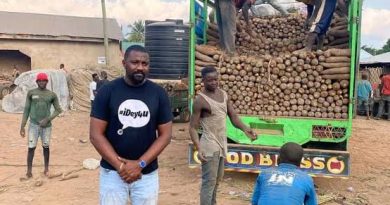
369, 182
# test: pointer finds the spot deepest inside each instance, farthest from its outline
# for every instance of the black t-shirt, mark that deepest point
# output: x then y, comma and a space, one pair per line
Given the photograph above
100, 83
133, 115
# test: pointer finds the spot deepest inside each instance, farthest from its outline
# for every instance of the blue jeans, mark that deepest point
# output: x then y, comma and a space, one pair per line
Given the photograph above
35, 132
322, 16
365, 104
115, 191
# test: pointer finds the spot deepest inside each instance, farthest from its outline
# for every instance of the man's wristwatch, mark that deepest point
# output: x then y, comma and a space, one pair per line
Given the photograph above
142, 164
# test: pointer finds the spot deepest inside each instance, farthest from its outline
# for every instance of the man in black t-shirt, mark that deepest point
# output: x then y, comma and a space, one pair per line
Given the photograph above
131, 124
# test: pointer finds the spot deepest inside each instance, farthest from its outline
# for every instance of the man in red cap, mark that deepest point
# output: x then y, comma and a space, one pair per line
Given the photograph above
37, 107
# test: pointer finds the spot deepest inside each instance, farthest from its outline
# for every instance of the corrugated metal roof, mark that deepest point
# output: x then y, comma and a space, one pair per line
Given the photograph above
364, 54
381, 58
54, 25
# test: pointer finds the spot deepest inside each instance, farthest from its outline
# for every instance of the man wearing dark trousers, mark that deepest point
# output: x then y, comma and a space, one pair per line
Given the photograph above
226, 19
244, 6
320, 13
210, 111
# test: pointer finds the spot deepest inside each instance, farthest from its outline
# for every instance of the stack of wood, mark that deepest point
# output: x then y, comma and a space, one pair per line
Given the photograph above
212, 34
271, 78
205, 55
271, 35
277, 35
301, 84
338, 35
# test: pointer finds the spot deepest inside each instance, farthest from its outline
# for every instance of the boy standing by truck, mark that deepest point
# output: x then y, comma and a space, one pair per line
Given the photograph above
210, 109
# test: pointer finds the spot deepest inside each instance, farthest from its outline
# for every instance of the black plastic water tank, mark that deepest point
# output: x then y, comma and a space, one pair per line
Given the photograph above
168, 45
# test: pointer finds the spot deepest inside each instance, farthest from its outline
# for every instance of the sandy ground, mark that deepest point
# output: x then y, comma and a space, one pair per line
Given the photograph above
369, 182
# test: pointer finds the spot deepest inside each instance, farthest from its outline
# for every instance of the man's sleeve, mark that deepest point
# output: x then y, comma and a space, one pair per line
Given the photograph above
101, 104
256, 192
26, 112
57, 107
164, 109
311, 196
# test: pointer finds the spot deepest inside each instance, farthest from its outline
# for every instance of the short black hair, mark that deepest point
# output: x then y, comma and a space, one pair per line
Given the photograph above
62, 65
208, 69
291, 153
94, 75
135, 48
364, 76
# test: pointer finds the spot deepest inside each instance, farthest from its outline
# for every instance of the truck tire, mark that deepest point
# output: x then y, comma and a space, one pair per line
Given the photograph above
4, 91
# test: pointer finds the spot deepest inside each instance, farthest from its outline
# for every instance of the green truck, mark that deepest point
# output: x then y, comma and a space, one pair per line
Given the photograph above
325, 140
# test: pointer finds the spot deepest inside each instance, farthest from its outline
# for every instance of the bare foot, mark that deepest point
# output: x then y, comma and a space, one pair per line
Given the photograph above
46, 173
27, 177
368, 118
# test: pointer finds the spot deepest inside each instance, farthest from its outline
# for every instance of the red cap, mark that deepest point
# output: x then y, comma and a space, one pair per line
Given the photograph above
42, 76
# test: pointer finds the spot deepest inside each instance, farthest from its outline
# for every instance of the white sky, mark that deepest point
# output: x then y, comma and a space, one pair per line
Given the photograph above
375, 24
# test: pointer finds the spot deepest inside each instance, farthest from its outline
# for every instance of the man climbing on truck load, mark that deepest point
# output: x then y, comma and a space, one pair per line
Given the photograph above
320, 13
244, 6
37, 108
210, 109
226, 19
285, 184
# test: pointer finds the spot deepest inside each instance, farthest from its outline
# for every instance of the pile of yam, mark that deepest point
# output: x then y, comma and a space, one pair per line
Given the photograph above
297, 84
270, 76
276, 35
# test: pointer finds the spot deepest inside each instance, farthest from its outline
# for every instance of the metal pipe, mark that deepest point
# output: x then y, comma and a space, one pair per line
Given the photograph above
105, 33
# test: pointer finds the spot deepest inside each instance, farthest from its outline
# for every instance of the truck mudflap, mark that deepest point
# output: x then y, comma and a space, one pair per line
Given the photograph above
249, 158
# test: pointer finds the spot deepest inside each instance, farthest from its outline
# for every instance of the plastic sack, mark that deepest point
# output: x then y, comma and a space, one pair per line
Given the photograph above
15, 101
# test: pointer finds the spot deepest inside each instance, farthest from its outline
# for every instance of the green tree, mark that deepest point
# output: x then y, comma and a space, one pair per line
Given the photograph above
137, 33
386, 47
370, 50
373, 51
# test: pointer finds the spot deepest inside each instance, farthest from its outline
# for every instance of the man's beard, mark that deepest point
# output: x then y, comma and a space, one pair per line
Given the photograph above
137, 78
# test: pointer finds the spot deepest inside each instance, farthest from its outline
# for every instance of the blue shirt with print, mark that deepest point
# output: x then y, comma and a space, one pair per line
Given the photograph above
364, 90
284, 185
133, 114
